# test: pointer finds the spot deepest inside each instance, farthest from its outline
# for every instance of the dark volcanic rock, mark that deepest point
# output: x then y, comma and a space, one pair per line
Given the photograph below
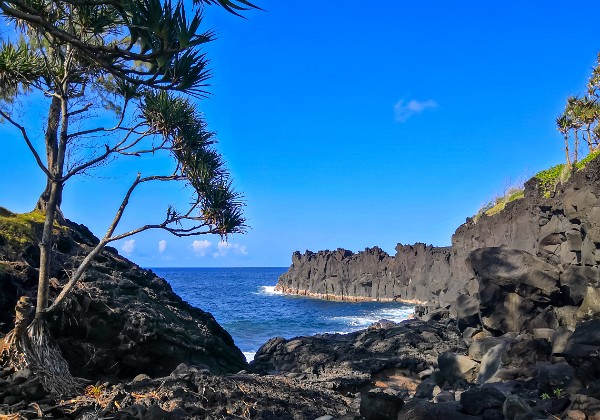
514, 287
380, 405
583, 350
351, 359
563, 230
422, 410
476, 400
416, 273
120, 320
192, 393
454, 367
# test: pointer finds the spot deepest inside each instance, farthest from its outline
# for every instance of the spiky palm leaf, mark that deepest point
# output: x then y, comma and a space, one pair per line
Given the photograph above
19, 67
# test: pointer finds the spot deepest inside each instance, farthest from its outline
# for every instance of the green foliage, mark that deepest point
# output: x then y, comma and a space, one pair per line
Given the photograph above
19, 66
545, 396
581, 164
549, 178
498, 204
557, 392
20, 228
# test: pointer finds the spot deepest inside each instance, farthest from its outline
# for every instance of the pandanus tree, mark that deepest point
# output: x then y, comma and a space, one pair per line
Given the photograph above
563, 124
139, 61
573, 111
582, 115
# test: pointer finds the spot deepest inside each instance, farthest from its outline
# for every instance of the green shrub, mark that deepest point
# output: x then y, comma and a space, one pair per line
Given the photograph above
581, 164
20, 228
497, 205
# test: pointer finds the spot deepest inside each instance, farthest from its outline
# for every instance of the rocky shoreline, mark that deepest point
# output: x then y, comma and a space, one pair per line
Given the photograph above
561, 227
511, 328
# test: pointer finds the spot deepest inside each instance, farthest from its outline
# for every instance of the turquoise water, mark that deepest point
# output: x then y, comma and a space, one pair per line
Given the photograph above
243, 301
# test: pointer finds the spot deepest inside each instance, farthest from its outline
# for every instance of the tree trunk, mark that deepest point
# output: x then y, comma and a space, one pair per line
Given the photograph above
51, 139
55, 152
567, 151
46, 250
576, 148
32, 347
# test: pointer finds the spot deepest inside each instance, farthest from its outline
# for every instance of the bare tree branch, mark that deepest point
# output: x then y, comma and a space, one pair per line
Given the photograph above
29, 144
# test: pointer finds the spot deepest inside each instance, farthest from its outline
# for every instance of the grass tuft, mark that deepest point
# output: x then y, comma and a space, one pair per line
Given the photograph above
498, 204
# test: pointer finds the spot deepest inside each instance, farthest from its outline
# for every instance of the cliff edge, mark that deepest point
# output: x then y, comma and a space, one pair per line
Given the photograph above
559, 227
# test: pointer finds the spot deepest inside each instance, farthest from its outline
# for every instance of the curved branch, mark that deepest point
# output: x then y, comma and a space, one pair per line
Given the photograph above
29, 144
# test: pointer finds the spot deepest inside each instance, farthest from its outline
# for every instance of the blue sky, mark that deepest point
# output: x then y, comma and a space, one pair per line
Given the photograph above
349, 124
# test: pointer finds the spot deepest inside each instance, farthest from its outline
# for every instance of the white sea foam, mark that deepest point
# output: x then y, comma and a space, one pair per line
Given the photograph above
364, 320
249, 355
268, 290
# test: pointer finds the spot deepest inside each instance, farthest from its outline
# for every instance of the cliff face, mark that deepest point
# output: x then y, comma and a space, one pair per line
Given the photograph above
120, 320
563, 230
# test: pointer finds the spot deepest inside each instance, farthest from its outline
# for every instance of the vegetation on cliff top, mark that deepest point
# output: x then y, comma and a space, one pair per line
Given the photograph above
19, 228
581, 117
550, 178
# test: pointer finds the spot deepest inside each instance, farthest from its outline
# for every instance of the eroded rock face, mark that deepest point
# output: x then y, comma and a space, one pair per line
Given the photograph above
121, 320
343, 360
552, 244
410, 275
514, 288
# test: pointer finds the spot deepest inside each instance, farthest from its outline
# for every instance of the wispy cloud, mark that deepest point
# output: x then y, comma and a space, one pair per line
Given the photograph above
162, 246
403, 110
224, 248
200, 247
128, 246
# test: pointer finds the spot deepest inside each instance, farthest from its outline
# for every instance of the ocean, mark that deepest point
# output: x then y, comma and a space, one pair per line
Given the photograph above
244, 302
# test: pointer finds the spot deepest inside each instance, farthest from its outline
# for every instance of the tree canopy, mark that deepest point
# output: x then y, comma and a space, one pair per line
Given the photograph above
581, 117
139, 63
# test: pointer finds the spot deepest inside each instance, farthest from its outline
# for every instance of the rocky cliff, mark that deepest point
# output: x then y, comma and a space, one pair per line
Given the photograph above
121, 320
518, 334
560, 227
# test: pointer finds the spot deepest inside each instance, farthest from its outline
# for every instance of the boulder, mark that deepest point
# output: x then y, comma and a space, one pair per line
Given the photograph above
514, 287
515, 407
423, 410
583, 349
479, 348
584, 344
575, 279
454, 367
490, 363
476, 400
380, 404
559, 340
556, 376
467, 311
590, 307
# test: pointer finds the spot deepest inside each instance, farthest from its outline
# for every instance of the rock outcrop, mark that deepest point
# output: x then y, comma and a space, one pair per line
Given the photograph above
522, 287
121, 320
560, 228
343, 361
188, 392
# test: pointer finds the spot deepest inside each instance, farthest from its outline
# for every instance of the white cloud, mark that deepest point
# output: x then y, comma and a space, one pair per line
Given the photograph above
128, 246
404, 110
162, 246
223, 248
200, 247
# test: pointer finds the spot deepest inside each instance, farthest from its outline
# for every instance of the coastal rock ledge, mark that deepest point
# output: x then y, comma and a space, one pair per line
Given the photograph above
560, 227
121, 320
